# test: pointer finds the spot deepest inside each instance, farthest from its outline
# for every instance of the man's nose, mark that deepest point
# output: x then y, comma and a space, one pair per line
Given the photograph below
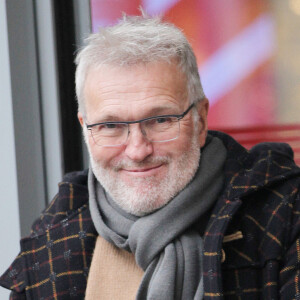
137, 147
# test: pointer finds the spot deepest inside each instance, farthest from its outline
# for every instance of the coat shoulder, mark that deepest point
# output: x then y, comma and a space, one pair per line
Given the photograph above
72, 195
62, 239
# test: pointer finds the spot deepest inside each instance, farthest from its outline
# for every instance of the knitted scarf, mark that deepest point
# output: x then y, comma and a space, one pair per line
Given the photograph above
165, 243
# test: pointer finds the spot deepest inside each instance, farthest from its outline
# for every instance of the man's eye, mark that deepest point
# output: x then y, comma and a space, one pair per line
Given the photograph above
109, 126
105, 127
162, 120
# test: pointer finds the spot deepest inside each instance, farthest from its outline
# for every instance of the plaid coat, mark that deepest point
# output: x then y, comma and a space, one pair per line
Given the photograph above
251, 243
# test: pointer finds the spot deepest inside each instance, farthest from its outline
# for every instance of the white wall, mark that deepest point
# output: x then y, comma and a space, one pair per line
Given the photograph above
30, 147
9, 210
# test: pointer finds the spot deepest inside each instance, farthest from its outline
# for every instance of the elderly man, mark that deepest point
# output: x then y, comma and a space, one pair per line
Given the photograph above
168, 210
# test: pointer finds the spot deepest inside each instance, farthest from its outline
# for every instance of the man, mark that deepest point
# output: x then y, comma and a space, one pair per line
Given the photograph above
168, 209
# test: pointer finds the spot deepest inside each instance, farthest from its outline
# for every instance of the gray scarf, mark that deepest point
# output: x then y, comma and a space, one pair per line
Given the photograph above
166, 244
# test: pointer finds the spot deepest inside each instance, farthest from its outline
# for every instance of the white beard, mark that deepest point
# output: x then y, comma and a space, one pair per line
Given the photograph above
145, 195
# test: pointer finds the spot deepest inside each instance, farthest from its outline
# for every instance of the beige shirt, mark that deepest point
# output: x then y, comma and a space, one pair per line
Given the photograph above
113, 274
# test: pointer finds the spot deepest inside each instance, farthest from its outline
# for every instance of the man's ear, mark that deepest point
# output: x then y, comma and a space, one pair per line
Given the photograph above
80, 118
84, 129
202, 108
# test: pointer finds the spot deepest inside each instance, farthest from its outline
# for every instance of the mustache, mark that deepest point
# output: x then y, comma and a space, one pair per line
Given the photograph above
148, 162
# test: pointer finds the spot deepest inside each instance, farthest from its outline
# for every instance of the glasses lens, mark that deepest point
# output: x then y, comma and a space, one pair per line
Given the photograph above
110, 134
161, 129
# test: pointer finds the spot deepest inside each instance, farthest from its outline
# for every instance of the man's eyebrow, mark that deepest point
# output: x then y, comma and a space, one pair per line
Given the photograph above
162, 110
156, 111
109, 118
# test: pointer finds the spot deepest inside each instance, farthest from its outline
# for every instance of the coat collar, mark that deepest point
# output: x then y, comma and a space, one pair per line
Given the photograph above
247, 171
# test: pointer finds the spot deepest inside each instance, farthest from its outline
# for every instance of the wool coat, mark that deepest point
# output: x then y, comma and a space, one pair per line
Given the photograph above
251, 241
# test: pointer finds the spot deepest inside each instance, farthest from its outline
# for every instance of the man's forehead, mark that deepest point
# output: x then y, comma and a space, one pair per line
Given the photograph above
121, 111
136, 85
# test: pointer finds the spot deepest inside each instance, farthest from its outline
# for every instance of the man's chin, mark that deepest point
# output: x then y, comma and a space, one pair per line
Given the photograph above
140, 201
138, 196
139, 183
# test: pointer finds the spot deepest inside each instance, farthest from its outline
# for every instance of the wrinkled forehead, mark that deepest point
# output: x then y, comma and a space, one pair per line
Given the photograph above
143, 85
169, 68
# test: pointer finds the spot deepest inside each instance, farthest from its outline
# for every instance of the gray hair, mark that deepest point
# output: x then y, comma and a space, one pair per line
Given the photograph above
136, 40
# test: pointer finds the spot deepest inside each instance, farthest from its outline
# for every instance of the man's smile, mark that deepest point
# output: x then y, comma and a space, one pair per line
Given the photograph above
142, 172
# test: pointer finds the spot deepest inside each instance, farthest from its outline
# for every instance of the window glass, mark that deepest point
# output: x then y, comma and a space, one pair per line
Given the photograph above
247, 53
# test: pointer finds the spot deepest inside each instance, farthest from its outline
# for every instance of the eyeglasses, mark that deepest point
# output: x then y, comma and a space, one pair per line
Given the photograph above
162, 128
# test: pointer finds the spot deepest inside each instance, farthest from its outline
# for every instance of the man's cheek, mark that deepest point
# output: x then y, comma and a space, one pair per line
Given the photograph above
106, 158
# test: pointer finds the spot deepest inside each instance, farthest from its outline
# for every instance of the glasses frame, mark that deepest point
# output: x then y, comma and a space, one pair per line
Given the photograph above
179, 117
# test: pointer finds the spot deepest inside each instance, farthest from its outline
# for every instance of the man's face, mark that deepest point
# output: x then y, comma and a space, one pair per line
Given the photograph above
142, 176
